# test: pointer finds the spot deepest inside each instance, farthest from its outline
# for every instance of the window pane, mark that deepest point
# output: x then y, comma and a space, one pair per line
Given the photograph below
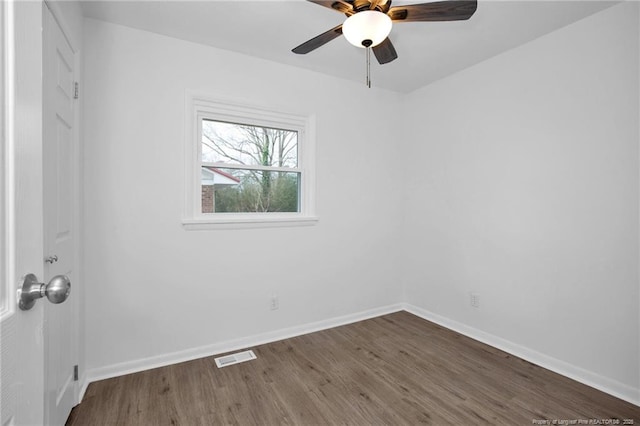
249, 145
249, 191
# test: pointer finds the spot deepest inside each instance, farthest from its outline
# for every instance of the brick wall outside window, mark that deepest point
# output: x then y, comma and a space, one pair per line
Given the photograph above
207, 199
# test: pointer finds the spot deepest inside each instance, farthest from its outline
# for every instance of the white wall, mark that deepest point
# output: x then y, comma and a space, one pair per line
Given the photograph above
154, 288
523, 187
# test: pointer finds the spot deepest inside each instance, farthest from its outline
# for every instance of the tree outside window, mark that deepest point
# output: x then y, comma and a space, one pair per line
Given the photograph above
249, 169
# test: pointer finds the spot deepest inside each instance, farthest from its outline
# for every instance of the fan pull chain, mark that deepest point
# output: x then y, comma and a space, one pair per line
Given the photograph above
368, 82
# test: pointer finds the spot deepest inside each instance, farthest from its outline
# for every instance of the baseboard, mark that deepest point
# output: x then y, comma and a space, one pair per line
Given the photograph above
143, 364
612, 387
83, 384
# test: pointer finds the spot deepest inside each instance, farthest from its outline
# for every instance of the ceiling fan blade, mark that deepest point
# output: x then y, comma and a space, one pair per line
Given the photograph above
318, 41
339, 5
385, 52
436, 11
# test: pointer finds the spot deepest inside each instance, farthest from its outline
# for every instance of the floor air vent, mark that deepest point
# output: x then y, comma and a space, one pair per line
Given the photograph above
236, 358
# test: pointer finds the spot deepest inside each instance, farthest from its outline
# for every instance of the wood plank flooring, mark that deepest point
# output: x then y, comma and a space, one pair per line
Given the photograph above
396, 369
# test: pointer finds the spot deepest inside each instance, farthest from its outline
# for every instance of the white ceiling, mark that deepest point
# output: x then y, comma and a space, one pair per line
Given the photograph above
427, 51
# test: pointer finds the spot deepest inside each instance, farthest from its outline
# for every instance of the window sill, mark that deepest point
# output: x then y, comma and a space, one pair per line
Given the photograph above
236, 222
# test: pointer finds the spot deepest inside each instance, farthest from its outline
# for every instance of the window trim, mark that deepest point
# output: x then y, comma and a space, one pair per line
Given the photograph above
199, 106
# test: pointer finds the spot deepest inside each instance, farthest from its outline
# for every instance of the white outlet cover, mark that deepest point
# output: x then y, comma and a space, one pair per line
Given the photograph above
474, 300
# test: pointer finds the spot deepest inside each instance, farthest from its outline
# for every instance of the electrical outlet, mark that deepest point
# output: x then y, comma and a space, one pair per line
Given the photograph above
274, 303
474, 300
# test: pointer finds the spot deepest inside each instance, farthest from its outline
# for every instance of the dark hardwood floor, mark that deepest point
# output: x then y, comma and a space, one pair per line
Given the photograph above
396, 369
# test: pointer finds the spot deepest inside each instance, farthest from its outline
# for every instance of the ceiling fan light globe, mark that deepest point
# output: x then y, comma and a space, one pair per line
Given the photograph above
367, 25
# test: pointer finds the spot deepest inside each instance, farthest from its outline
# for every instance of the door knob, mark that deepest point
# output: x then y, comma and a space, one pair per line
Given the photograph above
57, 290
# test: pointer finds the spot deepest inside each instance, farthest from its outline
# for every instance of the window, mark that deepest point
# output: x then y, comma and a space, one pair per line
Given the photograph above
247, 166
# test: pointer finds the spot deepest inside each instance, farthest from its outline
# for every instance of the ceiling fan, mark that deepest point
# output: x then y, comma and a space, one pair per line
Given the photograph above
369, 22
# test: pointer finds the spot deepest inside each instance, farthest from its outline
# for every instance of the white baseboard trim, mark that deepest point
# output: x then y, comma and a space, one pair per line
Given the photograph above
134, 366
83, 383
612, 387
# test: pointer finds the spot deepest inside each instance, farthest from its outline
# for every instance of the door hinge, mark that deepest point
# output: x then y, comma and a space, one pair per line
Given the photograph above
75, 373
75, 90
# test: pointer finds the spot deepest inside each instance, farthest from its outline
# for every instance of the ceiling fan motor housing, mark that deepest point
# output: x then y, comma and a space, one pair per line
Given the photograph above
360, 5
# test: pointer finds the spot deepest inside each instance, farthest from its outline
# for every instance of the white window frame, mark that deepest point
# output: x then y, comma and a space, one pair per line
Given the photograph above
199, 107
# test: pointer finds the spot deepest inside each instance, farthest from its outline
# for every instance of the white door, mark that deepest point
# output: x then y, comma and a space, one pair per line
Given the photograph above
21, 339
35, 386
59, 219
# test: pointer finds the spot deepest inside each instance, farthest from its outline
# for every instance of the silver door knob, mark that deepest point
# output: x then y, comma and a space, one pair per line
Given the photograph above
57, 290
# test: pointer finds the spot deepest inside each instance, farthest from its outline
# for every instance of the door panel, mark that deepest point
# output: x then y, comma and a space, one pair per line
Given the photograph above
38, 201
59, 219
21, 342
